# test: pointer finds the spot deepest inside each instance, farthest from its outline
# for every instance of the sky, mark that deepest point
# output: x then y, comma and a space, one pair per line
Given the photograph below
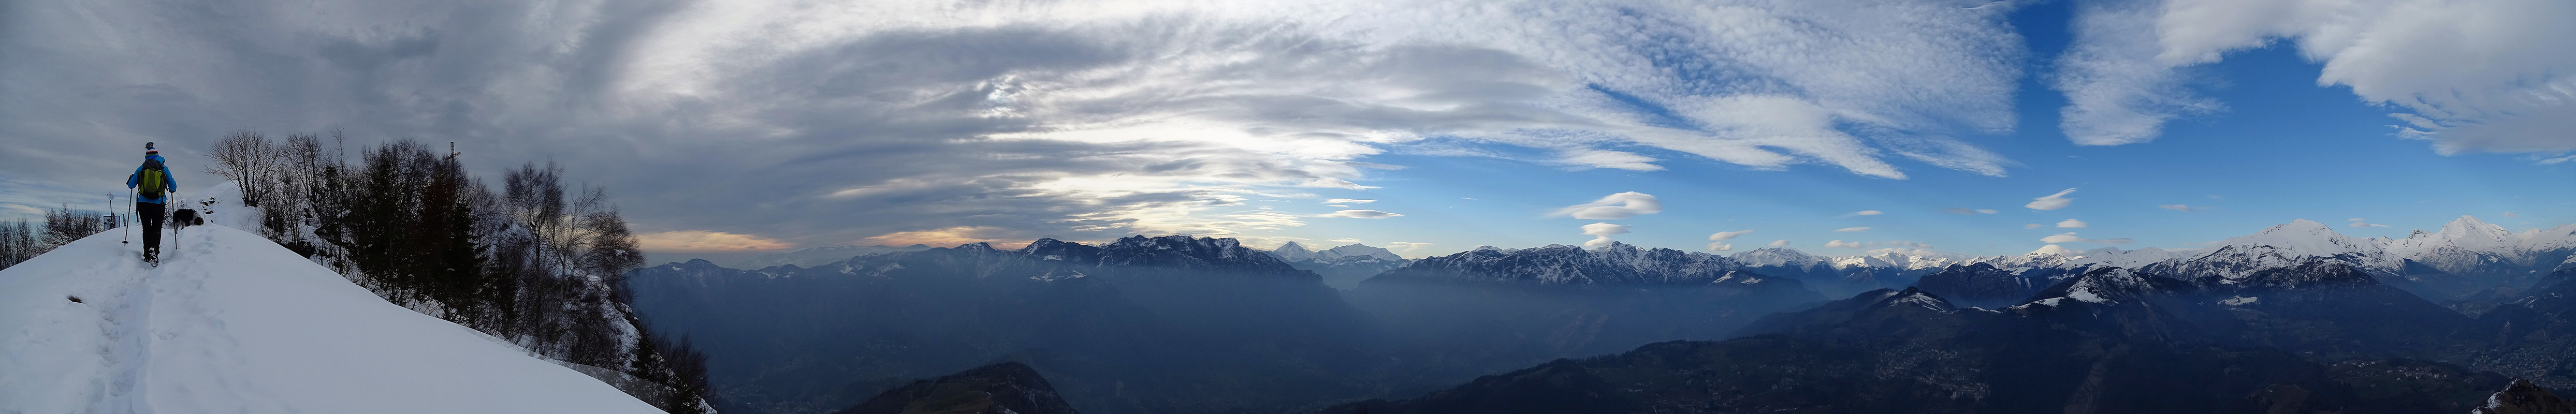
1428, 127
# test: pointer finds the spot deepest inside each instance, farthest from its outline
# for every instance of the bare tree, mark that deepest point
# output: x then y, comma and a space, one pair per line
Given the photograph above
17, 243
248, 158
65, 225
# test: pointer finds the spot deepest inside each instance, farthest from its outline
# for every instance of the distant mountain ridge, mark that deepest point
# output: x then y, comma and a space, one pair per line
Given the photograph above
2467, 255
819, 256
2322, 336
1135, 325
1615, 264
1341, 267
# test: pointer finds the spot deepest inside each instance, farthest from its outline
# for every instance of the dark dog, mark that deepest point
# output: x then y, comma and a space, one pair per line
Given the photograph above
186, 217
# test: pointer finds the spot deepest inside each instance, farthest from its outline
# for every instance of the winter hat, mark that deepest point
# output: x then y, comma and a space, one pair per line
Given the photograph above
147, 149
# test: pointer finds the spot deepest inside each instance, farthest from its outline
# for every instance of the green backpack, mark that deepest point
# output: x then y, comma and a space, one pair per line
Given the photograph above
150, 182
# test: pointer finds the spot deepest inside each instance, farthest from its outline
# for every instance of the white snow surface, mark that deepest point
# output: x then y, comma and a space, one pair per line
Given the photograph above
231, 322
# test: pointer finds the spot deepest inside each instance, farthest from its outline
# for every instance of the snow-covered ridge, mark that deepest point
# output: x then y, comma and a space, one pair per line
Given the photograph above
1294, 252
1615, 264
231, 322
2463, 246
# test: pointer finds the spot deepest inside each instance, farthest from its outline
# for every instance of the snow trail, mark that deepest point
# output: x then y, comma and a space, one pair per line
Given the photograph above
231, 322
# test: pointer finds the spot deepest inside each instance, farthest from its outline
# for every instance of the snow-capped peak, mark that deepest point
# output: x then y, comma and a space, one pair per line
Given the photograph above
2306, 238
1354, 250
1292, 252
2053, 250
1777, 256
2470, 233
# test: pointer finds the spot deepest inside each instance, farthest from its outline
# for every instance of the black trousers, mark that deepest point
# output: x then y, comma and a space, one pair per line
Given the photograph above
151, 214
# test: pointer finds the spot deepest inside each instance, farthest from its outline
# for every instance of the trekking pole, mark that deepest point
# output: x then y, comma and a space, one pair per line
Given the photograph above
120, 224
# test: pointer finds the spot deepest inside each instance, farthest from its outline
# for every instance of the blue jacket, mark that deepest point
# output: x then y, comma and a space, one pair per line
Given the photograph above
165, 176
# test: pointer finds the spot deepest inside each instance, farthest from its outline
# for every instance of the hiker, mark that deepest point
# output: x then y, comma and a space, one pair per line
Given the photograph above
150, 182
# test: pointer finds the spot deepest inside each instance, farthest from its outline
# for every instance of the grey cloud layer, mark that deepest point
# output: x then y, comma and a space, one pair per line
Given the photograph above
827, 124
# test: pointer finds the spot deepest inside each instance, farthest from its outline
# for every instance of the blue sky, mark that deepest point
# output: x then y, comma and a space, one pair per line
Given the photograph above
2285, 148
742, 127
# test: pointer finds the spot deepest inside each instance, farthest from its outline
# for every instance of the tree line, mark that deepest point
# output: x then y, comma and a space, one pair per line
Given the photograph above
536, 263
21, 240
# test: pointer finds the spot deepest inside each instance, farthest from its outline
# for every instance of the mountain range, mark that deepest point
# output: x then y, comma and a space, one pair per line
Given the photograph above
1341, 267
2293, 318
2321, 336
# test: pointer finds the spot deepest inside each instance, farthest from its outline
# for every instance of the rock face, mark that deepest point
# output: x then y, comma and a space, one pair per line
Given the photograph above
2524, 398
1004, 388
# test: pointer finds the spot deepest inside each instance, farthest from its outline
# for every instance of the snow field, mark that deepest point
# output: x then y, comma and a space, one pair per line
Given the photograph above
231, 322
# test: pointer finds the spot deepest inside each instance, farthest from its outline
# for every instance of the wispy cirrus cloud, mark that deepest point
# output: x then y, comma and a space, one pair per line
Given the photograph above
2051, 201
1717, 241
2126, 75
1613, 207
1360, 213
1041, 118
2070, 237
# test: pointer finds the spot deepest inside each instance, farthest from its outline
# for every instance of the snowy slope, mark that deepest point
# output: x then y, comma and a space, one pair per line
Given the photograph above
233, 323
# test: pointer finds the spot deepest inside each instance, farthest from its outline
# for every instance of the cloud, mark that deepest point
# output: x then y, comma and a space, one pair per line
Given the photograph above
1045, 117
1868, 213
1853, 229
1900, 251
1903, 244
1344, 240
1778, 243
2051, 201
2356, 222
2033, 226
2180, 207
1960, 210
2126, 74
1601, 233
1844, 244
1331, 182
2069, 237
2071, 223
1361, 213
2511, 214
1719, 240
698, 241
1407, 246
1613, 207
1986, 211
950, 236
1348, 201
